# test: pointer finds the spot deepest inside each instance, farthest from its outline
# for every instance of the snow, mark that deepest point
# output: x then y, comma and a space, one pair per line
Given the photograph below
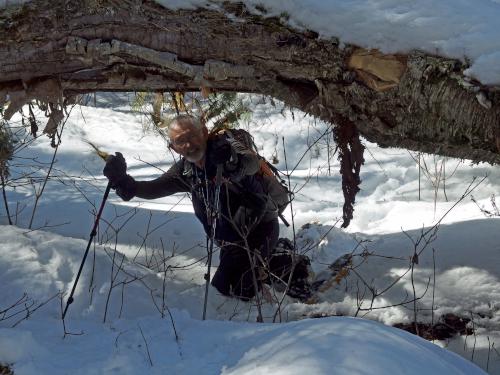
213, 347
115, 324
33, 262
42, 263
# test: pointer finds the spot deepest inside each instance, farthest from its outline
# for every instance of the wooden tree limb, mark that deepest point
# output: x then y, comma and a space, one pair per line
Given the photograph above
416, 101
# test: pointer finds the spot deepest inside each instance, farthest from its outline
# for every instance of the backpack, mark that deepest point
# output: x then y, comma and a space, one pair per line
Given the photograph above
272, 183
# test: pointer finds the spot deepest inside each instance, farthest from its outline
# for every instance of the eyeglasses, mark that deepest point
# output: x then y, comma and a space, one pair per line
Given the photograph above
179, 142
184, 136
183, 140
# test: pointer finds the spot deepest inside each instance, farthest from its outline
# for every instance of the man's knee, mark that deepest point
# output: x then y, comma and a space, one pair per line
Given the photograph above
221, 283
234, 277
243, 291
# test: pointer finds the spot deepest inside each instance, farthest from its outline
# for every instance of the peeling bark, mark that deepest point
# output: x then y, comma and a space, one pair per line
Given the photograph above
351, 158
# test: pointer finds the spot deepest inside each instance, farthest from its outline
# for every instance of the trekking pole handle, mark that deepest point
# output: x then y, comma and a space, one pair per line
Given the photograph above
92, 235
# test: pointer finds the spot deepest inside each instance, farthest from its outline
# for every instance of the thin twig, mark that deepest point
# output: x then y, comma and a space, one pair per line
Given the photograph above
39, 193
5, 198
147, 346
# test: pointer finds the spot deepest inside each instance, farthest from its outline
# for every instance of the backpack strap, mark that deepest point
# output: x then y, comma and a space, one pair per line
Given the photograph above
243, 143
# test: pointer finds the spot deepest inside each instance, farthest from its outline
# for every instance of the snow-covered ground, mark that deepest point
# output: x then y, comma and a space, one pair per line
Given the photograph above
165, 267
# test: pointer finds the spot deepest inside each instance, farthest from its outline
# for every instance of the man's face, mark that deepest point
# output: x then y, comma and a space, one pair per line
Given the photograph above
188, 140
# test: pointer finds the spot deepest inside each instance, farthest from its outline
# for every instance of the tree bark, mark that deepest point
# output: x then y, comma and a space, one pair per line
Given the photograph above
51, 50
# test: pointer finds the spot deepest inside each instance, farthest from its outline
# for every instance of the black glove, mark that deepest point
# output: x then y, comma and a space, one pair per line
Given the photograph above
221, 152
115, 169
116, 172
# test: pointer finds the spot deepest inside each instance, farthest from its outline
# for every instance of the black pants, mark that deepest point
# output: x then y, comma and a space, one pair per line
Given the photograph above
234, 275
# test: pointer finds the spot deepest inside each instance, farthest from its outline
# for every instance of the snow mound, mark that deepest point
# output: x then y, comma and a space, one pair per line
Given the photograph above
143, 342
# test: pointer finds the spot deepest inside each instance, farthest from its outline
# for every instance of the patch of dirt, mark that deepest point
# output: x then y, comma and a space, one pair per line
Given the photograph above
5, 369
449, 325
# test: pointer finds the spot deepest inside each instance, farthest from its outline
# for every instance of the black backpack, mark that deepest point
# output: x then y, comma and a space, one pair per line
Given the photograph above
272, 183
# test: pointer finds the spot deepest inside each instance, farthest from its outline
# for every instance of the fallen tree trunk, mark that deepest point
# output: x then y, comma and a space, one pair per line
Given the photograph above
53, 50
84, 46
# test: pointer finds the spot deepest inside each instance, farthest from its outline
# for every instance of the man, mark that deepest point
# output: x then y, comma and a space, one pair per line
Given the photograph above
246, 227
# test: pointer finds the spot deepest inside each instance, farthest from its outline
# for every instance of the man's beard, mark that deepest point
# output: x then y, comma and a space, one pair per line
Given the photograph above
195, 155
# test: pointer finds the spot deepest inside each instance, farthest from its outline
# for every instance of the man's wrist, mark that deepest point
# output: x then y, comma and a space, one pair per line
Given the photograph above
126, 187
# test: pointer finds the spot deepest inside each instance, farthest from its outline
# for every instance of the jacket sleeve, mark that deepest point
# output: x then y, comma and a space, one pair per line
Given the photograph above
171, 182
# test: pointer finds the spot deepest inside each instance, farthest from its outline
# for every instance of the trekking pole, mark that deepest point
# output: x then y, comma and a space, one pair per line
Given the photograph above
92, 235
214, 216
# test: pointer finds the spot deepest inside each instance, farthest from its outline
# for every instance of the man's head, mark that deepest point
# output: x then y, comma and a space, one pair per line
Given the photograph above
188, 137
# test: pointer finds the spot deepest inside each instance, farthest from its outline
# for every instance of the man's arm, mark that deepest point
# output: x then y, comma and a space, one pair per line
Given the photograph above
171, 182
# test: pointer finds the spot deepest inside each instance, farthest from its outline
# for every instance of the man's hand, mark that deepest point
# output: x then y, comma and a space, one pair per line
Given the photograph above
116, 172
115, 169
